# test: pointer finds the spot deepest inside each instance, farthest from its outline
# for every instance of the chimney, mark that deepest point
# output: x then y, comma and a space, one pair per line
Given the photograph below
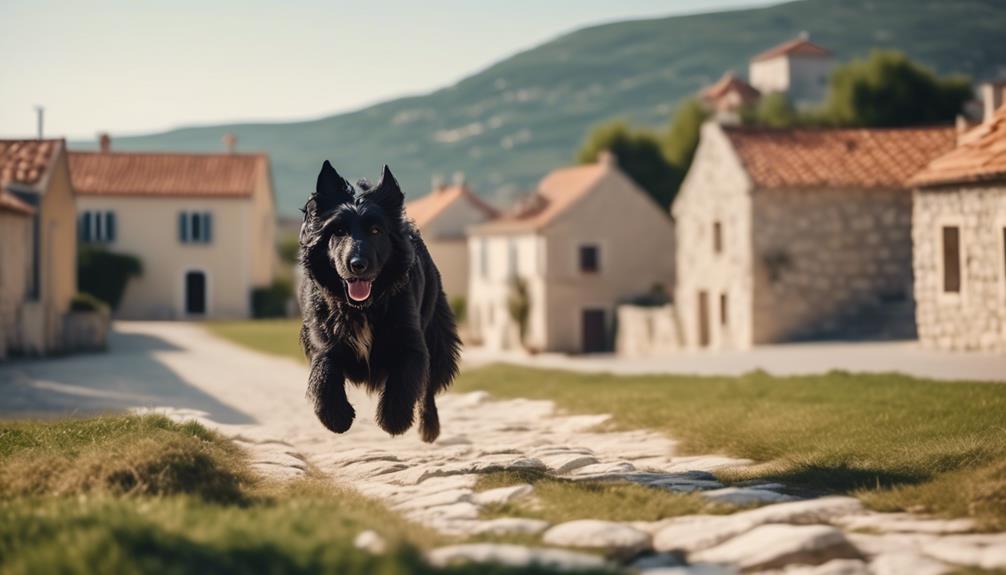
992, 96
607, 158
804, 35
230, 142
40, 120
105, 142
459, 179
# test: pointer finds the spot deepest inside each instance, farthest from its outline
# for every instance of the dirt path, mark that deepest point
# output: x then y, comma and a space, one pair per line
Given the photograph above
182, 370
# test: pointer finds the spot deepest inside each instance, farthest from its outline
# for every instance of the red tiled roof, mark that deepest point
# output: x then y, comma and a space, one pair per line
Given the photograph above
165, 174
980, 156
11, 203
26, 161
799, 46
731, 83
557, 192
425, 209
860, 158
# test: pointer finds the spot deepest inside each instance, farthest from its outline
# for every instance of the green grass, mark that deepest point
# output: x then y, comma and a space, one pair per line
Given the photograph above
275, 336
556, 500
897, 442
146, 495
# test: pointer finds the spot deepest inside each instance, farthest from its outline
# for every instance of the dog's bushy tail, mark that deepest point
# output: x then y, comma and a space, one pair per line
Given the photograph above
444, 345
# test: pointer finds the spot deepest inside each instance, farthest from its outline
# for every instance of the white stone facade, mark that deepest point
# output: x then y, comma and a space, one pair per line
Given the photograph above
972, 317
804, 79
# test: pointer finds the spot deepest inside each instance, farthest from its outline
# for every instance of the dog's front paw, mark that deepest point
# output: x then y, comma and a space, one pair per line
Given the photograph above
337, 417
395, 417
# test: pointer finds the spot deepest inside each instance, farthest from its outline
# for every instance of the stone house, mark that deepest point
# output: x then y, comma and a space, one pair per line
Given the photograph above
959, 235
798, 68
798, 233
202, 225
442, 217
38, 245
586, 240
727, 96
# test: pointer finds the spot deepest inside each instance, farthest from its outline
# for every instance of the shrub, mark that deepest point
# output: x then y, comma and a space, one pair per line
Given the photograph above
271, 301
519, 306
459, 305
87, 302
104, 274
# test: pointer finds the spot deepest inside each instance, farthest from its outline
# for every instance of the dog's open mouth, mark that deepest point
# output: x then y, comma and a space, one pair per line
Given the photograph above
358, 289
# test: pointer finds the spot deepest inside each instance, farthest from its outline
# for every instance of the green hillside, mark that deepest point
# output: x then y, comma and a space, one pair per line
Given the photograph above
510, 123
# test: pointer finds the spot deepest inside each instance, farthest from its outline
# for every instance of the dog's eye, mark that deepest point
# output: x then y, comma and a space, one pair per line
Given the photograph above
340, 231
375, 231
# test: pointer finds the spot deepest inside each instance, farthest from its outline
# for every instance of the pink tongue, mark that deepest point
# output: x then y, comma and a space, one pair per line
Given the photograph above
359, 290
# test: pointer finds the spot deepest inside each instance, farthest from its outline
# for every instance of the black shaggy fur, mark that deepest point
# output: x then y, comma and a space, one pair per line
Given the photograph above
401, 341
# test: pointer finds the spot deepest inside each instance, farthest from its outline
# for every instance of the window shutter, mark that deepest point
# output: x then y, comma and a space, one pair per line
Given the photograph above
110, 226
183, 227
85, 227
208, 227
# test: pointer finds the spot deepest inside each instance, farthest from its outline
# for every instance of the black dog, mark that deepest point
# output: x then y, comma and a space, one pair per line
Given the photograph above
374, 308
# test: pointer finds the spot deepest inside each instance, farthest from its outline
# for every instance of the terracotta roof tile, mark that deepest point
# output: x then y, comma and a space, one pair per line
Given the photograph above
556, 193
980, 156
731, 83
423, 210
859, 158
165, 174
11, 203
799, 46
26, 161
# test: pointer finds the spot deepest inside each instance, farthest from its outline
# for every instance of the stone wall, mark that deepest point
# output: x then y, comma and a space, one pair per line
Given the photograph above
15, 269
647, 331
974, 318
85, 331
826, 259
715, 190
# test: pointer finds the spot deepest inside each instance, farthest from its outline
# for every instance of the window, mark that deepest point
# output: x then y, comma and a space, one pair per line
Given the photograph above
951, 259
717, 237
97, 227
589, 261
724, 309
195, 227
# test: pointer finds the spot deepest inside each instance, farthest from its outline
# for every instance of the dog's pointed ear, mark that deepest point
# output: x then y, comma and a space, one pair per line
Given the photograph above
332, 189
387, 193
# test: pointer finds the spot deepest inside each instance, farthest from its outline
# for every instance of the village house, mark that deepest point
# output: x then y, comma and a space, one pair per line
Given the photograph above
959, 234
442, 217
38, 247
728, 96
586, 240
798, 233
798, 68
202, 225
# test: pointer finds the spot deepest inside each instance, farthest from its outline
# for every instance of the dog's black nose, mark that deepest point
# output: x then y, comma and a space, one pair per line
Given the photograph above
358, 265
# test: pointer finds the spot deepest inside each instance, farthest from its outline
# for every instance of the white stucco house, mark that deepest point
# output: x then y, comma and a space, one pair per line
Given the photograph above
798, 68
585, 240
202, 225
442, 217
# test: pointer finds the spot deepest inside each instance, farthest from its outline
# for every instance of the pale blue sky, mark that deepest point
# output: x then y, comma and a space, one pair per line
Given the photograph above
129, 66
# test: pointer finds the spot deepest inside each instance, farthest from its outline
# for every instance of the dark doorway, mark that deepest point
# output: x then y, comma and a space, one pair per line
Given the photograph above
703, 319
594, 339
195, 293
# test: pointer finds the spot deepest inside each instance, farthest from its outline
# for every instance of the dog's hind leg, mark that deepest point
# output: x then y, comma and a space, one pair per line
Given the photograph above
326, 387
445, 347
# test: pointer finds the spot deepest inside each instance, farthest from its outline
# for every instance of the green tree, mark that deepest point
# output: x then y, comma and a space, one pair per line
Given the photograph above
682, 137
519, 306
773, 110
104, 274
889, 90
639, 155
